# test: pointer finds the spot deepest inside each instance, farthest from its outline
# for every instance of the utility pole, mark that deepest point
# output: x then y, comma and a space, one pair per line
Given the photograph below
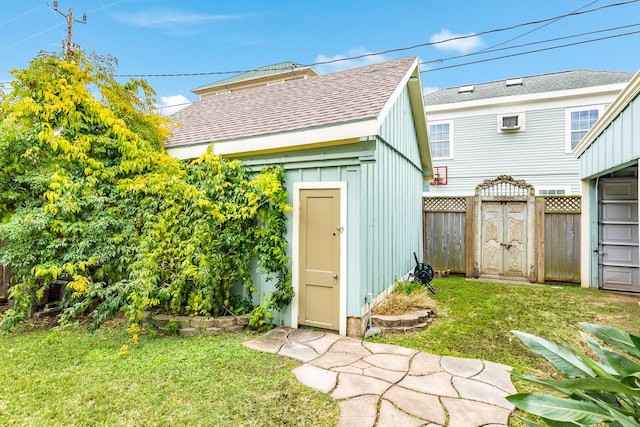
68, 47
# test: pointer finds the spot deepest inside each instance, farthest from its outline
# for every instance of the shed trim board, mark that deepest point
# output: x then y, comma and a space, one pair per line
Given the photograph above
295, 244
336, 134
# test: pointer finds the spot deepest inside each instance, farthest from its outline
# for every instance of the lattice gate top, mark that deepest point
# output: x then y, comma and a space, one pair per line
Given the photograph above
504, 187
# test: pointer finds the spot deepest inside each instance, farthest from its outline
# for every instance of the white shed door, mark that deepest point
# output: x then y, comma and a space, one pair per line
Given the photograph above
618, 250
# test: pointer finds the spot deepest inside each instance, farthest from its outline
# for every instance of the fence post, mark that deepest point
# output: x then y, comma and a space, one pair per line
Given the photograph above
470, 236
540, 226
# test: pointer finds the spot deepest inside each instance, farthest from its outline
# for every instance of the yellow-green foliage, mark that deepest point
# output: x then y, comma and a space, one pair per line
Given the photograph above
88, 194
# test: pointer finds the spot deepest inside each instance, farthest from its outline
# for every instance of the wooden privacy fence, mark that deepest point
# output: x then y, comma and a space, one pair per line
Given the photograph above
559, 238
448, 232
447, 223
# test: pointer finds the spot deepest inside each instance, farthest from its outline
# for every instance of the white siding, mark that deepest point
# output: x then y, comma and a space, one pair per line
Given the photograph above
535, 154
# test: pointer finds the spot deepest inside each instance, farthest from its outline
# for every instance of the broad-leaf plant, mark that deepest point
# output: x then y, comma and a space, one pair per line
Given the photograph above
600, 388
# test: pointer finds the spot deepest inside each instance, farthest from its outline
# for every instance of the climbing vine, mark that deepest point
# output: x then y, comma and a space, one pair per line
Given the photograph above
90, 196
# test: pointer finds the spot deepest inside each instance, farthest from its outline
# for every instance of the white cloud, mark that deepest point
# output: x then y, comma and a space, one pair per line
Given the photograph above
429, 89
169, 19
340, 63
170, 104
469, 43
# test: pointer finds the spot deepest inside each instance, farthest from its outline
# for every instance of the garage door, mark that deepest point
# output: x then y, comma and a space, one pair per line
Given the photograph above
619, 257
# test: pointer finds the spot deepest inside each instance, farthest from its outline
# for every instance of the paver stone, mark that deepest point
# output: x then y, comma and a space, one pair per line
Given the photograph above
298, 351
351, 385
376, 348
438, 384
393, 362
317, 378
333, 360
498, 375
391, 416
468, 413
322, 344
461, 367
384, 374
358, 411
349, 345
425, 363
482, 392
305, 335
266, 344
421, 405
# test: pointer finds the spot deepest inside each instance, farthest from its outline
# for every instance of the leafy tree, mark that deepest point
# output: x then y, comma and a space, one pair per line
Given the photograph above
90, 195
601, 390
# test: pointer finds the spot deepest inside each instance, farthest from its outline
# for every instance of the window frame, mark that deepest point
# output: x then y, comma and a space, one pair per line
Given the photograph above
451, 139
546, 188
567, 122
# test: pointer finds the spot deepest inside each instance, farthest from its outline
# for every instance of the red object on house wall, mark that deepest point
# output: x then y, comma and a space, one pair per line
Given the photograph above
441, 175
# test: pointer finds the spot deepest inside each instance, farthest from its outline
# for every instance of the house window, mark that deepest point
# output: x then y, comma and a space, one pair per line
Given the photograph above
441, 140
553, 190
578, 122
511, 122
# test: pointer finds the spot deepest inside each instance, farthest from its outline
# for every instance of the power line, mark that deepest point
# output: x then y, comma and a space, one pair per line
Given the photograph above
485, 51
512, 27
22, 14
530, 51
31, 37
537, 28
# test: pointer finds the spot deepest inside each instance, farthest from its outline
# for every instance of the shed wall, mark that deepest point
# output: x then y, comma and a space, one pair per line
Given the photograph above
618, 145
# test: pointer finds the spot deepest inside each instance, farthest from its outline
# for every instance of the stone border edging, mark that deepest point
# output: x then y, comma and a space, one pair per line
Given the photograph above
198, 325
409, 322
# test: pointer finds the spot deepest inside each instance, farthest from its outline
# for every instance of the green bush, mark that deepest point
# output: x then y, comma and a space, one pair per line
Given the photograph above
603, 390
89, 195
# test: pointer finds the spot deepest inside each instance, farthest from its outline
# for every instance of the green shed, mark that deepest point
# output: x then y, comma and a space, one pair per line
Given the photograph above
355, 150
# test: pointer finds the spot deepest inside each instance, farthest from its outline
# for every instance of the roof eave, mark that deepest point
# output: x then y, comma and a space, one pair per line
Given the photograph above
335, 134
412, 81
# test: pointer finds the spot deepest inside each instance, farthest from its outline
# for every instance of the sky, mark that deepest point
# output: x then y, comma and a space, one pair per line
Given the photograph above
197, 42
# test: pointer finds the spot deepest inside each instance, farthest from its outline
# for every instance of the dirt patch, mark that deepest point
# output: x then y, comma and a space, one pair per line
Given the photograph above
400, 303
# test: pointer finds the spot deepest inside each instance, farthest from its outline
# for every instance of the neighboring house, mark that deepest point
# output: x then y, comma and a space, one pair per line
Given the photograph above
496, 147
263, 76
522, 127
609, 155
356, 156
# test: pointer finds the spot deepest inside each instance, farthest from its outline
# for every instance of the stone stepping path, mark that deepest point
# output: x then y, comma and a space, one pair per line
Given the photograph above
386, 385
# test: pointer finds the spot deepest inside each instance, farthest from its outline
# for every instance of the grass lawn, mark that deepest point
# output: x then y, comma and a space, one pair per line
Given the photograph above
475, 319
73, 378
68, 377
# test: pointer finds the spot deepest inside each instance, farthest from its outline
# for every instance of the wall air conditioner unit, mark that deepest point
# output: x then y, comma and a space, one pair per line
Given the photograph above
510, 122
440, 175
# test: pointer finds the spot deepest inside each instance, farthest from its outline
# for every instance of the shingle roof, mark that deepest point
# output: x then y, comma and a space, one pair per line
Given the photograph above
346, 96
565, 80
269, 70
